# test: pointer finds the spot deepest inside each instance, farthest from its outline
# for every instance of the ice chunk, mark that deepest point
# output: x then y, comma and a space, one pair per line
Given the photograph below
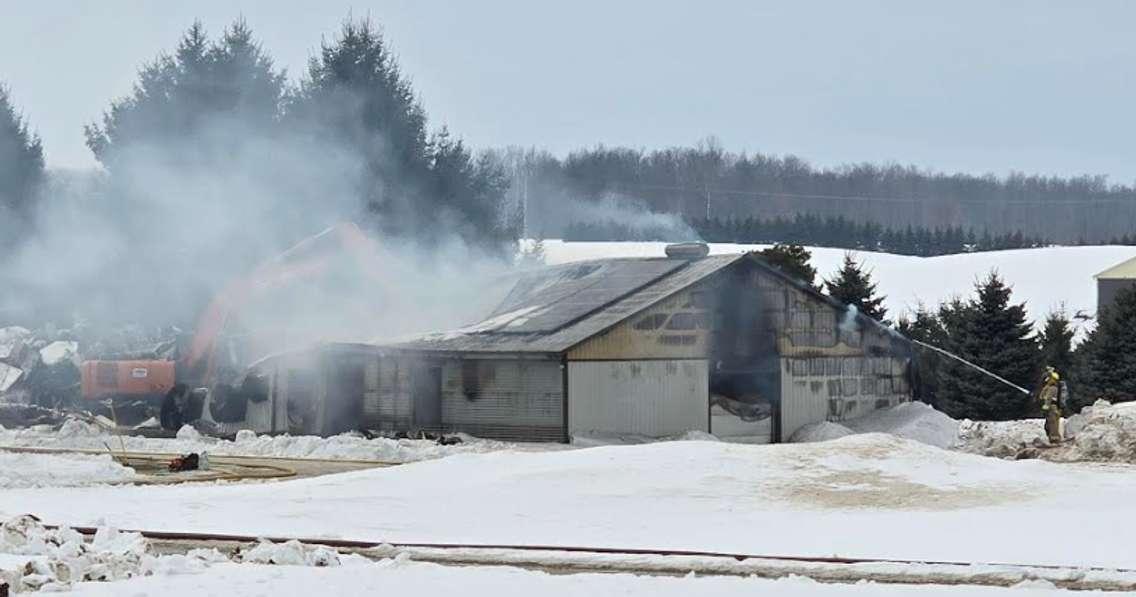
188, 433
9, 375
12, 341
57, 352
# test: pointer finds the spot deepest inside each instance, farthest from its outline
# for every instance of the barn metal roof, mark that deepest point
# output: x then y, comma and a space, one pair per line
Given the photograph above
1122, 271
556, 308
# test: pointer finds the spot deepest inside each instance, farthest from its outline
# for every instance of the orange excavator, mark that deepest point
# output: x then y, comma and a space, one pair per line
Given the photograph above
202, 377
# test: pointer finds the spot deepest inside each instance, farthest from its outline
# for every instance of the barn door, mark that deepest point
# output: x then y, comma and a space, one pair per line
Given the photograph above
427, 393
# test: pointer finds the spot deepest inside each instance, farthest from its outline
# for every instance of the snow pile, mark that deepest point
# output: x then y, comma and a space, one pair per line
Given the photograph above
697, 436
188, 434
57, 558
22, 470
910, 420
915, 421
1002, 439
62, 557
76, 433
294, 553
819, 432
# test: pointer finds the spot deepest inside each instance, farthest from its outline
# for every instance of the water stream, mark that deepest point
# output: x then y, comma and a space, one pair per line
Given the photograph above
970, 364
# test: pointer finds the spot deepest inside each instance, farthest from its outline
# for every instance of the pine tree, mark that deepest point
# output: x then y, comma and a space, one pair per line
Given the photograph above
1106, 360
21, 173
413, 183
926, 328
851, 285
189, 109
992, 333
792, 260
1057, 343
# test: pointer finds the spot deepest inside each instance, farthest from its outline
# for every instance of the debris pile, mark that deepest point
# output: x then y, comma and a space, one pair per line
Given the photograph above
41, 367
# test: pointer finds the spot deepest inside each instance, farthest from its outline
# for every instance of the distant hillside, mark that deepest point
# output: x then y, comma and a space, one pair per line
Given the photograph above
708, 182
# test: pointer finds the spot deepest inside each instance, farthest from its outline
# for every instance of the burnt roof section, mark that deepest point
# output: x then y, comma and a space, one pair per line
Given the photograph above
553, 309
575, 308
556, 297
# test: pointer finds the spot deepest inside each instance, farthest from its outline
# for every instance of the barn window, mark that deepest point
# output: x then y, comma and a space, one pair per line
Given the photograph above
651, 322
683, 321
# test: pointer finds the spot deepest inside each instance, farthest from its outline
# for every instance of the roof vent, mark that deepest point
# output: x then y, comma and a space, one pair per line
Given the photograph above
688, 250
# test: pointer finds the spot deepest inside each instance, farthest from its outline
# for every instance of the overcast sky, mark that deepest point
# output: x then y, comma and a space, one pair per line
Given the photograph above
973, 86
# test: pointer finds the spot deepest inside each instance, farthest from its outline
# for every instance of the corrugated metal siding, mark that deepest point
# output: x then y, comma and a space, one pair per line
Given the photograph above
386, 401
653, 398
676, 328
504, 399
1108, 289
838, 388
802, 402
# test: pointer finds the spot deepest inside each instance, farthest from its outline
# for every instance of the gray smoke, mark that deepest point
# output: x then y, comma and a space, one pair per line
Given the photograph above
153, 243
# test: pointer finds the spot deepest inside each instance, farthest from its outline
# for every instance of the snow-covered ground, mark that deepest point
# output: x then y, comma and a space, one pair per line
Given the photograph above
1045, 279
59, 470
870, 495
393, 577
863, 495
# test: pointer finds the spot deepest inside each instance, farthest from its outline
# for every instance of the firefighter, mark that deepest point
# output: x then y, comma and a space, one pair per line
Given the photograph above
1050, 397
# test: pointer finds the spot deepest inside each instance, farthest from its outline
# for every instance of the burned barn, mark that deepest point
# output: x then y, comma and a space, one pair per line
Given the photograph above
648, 347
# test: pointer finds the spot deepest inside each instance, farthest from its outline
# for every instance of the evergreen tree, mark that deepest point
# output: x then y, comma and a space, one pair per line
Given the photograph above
190, 108
992, 333
924, 327
413, 183
1057, 343
792, 260
853, 286
1106, 360
21, 173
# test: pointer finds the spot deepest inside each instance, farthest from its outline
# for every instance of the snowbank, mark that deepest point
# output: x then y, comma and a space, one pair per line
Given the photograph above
1103, 431
1001, 439
21, 470
910, 420
79, 434
914, 421
866, 495
35, 557
819, 432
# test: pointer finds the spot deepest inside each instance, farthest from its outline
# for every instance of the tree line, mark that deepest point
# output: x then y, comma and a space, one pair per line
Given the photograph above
217, 160
215, 109
706, 181
811, 230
